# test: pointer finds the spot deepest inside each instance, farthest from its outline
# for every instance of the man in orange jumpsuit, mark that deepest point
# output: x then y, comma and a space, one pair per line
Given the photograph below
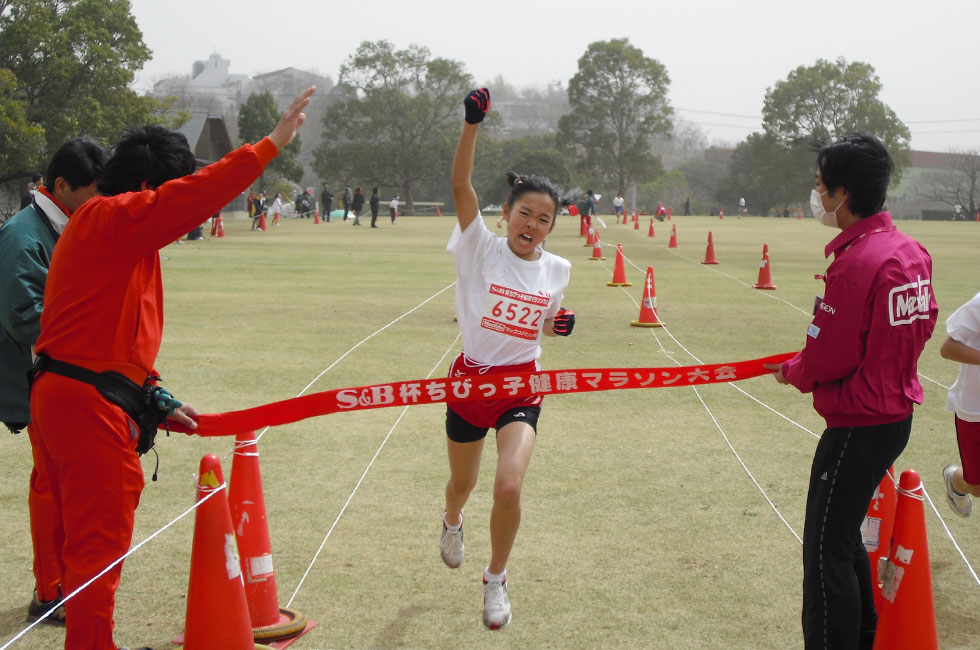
104, 314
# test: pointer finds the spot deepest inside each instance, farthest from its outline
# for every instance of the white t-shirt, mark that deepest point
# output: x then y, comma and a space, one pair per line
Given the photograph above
502, 301
618, 201
963, 326
393, 204
277, 205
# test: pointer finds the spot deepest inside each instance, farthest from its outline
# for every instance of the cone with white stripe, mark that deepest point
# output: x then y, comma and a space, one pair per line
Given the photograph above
907, 618
246, 501
648, 306
765, 276
597, 249
876, 530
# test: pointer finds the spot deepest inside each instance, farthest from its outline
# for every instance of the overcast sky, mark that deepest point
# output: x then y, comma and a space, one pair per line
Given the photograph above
721, 55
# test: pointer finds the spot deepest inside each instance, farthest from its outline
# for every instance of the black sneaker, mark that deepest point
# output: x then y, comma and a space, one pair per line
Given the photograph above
39, 608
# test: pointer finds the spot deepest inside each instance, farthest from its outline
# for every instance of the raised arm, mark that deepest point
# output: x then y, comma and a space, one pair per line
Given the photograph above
477, 104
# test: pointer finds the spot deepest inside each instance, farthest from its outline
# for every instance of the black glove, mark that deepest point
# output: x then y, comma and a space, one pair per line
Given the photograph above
477, 103
564, 322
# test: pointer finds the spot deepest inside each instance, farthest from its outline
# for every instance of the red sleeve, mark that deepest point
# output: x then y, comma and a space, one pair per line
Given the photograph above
144, 222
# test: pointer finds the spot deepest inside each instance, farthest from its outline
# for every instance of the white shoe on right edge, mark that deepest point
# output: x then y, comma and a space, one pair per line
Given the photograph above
496, 604
962, 504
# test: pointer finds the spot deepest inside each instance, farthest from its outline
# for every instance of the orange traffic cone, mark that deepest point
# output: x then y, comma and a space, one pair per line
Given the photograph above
799, 214
583, 228
316, 216
214, 225
262, 221
597, 249
636, 224
590, 237
217, 615
619, 271
765, 280
721, 213
648, 306
673, 237
651, 228
709, 255
438, 211
907, 618
221, 227
246, 501
668, 214
876, 531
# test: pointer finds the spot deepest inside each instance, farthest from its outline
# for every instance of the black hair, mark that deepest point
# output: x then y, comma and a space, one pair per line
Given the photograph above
35, 177
375, 190
150, 154
80, 161
860, 164
521, 185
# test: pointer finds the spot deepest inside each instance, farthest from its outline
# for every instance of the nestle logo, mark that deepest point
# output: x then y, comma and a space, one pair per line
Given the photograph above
909, 302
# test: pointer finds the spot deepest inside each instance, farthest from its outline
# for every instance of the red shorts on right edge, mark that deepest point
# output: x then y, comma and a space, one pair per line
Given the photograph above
968, 439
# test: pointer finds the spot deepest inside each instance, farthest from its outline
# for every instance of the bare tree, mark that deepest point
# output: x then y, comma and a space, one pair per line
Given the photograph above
958, 185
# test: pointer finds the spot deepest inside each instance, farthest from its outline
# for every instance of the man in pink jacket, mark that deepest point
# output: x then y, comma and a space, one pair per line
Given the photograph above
859, 361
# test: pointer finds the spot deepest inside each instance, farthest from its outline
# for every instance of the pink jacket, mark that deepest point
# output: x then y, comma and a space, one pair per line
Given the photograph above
877, 313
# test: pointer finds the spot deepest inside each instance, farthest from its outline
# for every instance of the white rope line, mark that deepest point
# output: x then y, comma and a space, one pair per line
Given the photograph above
949, 533
104, 571
358, 344
361, 480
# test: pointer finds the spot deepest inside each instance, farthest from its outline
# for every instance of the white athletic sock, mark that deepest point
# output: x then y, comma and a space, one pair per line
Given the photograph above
494, 577
453, 529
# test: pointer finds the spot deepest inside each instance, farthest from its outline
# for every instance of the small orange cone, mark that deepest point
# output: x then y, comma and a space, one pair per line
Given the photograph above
668, 214
876, 531
765, 279
673, 237
907, 618
626, 219
221, 227
583, 228
316, 216
648, 306
619, 271
597, 249
721, 213
262, 222
246, 500
651, 228
709, 255
217, 615
636, 223
438, 211
799, 214
590, 237
214, 225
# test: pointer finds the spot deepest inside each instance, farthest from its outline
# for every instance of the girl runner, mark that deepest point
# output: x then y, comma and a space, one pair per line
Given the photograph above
508, 293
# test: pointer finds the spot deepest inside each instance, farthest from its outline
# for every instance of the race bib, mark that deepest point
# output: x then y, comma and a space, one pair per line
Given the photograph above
514, 313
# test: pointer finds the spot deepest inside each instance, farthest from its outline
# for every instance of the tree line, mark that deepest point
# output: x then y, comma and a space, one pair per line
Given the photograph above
394, 116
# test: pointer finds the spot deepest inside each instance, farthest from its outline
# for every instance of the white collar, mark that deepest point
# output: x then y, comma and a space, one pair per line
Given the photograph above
51, 210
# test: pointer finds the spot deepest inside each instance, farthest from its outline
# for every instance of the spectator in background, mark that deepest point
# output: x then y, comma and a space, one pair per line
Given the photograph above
276, 208
375, 204
347, 198
687, 207
393, 208
741, 206
326, 200
36, 181
357, 205
27, 242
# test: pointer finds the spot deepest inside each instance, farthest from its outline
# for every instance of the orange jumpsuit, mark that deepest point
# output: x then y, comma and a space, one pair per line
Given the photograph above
104, 311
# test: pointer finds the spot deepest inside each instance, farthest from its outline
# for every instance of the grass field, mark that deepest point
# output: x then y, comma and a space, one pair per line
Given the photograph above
641, 526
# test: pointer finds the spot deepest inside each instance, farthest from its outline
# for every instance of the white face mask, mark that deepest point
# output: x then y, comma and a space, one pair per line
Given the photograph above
824, 217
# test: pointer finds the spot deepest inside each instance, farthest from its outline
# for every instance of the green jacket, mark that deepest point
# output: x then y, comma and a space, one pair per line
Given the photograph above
586, 206
26, 242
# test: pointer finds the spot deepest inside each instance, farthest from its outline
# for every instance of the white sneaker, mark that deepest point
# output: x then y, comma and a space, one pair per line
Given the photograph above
962, 504
451, 544
496, 604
